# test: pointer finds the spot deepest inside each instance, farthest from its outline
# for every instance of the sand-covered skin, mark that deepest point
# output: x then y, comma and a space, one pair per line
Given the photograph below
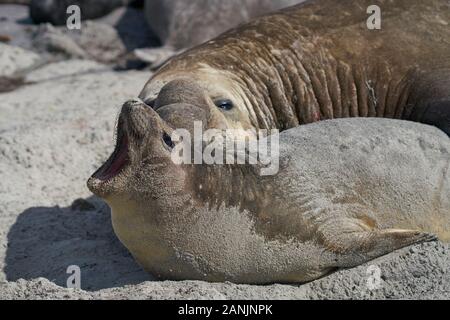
53, 135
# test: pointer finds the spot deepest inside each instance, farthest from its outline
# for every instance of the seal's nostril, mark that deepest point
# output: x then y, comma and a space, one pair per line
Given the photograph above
168, 140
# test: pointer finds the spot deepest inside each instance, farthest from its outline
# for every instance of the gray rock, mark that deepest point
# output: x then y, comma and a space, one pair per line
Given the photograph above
50, 40
155, 57
132, 27
95, 40
14, 25
107, 39
100, 41
181, 24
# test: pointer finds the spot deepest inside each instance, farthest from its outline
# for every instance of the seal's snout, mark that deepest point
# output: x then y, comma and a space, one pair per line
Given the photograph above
181, 102
181, 91
141, 123
136, 118
131, 126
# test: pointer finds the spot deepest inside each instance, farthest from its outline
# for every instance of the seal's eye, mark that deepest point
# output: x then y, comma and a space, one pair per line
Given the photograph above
224, 104
168, 140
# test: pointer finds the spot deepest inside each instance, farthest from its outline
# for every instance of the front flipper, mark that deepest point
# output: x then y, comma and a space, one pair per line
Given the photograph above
353, 242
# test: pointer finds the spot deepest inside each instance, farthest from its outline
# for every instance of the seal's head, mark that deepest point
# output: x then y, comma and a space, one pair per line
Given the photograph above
145, 189
143, 145
223, 100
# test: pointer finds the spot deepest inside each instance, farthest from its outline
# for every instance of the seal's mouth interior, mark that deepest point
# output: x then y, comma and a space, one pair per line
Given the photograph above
168, 140
118, 160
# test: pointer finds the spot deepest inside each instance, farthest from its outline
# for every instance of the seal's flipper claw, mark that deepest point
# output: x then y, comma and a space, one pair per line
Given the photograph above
353, 247
399, 238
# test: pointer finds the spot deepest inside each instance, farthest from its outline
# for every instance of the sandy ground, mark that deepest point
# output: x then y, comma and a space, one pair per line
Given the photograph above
53, 134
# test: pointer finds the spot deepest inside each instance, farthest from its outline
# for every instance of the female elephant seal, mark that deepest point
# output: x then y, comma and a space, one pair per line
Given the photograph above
315, 61
347, 191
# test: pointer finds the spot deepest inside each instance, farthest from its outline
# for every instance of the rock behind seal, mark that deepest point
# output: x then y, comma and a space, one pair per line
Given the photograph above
182, 24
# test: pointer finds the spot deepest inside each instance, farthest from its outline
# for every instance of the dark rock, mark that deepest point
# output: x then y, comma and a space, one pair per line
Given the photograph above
54, 11
8, 84
5, 38
181, 24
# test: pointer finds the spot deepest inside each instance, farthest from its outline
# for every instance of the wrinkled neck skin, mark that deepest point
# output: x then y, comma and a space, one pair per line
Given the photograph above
275, 87
147, 212
170, 213
175, 191
216, 229
227, 186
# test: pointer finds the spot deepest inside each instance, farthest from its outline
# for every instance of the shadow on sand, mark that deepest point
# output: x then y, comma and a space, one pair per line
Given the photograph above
45, 241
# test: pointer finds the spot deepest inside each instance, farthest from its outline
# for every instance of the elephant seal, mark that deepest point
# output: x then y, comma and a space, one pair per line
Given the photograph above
318, 60
347, 191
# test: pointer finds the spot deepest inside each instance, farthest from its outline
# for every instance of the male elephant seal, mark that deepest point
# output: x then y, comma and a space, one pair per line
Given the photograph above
315, 61
347, 191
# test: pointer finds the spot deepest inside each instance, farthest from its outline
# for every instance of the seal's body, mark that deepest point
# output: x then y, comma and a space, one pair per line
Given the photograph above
319, 60
347, 191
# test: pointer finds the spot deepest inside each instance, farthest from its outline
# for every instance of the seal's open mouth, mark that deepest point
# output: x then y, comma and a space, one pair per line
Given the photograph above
118, 160
138, 128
